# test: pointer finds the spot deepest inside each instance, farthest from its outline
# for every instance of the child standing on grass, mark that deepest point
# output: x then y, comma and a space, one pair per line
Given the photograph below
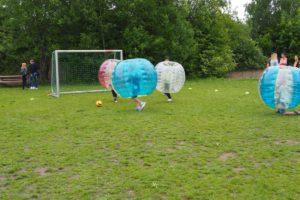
24, 75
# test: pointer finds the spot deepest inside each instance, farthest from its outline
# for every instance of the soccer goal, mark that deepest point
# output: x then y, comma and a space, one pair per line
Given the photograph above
76, 71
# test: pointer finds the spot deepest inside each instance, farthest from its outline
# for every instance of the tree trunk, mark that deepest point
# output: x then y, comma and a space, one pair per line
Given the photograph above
44, 64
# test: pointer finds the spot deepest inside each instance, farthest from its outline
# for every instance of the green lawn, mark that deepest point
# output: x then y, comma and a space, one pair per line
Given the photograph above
203, 145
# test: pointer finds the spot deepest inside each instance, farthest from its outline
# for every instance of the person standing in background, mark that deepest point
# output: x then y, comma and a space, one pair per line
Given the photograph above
283, 60
33, 75
296, 61
24, 75
269, 61
273, 60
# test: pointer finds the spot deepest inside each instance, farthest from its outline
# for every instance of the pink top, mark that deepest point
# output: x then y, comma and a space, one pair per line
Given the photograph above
283, 61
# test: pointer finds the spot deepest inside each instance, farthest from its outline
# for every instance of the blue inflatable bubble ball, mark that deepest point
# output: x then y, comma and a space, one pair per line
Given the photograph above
134, 77
279, 87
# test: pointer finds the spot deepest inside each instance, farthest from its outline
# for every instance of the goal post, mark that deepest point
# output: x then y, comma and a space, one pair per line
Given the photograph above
76, 71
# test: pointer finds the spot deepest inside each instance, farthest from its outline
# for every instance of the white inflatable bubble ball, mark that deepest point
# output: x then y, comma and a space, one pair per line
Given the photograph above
170, 77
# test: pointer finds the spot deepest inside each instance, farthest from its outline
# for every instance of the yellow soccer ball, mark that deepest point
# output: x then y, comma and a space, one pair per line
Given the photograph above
99, 103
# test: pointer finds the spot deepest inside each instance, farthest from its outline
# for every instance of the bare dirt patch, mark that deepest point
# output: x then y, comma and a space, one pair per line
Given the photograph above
263, 164
149, 143
170, 150
238, 169
287, 142
2, 178
226, 156
180, 142
42, 171
21, 171
131, 193
75, 177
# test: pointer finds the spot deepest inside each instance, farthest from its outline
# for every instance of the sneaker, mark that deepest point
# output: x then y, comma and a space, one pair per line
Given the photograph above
137, 108
143, 104
169, 100
115, 101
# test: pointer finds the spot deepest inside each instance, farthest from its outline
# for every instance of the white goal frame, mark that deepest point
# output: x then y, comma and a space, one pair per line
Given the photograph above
56, 52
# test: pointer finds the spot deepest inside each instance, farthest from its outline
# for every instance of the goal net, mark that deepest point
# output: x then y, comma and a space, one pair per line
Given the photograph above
76, 71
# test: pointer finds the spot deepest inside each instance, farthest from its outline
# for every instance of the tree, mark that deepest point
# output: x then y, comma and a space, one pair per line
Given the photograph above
214, 57
29, 26
197, 33
289, 38
157, 29
269, 20
246, 52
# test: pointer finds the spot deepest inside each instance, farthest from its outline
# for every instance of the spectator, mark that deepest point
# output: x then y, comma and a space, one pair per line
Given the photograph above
33, 75
273, 60
283, 60
296, 61
24, 75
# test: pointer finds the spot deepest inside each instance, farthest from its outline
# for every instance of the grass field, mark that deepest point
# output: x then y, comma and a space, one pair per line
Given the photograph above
203, 145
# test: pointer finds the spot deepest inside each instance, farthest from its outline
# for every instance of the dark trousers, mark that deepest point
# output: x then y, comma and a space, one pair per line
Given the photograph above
167, 88
24, 80
34, 80
114, 94
168, 95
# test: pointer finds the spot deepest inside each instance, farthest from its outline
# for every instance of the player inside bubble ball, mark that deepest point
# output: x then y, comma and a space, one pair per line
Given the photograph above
167, 86
282, 96
135, 91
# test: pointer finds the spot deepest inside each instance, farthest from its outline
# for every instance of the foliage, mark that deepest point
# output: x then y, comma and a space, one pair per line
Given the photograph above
214, 57
193, 32
289, 37
246, 52
275, 25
